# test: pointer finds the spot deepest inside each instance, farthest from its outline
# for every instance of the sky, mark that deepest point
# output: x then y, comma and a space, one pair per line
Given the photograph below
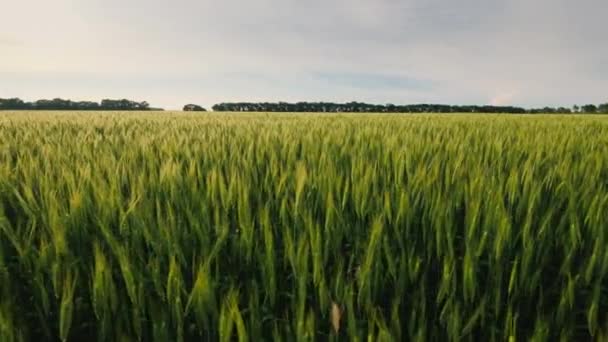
169, 53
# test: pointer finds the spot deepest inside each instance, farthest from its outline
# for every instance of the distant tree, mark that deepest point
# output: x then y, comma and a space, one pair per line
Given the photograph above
143, 105
603, 108
86, 105
589, 108
548, 110
576, 109
13, 103
54, 104
61, 104
123, 104
359, 107
194, 108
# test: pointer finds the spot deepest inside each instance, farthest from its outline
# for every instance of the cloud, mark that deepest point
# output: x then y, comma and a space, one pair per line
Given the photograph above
6, 41
503, 99
471, 51
375, 81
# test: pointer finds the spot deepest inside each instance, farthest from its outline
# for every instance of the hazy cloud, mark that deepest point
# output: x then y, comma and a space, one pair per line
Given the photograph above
375, 81
502, 99
6, 41
467, 51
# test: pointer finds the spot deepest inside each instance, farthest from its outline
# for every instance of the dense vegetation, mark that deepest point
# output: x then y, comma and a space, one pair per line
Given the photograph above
310, 107
354, 107
193, 108
158, 227
61, 104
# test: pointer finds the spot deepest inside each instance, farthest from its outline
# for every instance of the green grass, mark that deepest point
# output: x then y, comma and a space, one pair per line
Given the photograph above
180, 227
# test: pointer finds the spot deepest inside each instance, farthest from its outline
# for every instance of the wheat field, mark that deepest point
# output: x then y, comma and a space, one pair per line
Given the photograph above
283, 227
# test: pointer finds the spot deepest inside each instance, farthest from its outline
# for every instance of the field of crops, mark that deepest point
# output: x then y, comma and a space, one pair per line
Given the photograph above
189, 227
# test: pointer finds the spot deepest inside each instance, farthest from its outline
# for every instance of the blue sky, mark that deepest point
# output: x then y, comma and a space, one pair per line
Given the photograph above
511, 52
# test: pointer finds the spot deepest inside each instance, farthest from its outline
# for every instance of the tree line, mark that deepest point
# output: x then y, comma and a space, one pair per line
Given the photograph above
360, 107
321, 107
61, 104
